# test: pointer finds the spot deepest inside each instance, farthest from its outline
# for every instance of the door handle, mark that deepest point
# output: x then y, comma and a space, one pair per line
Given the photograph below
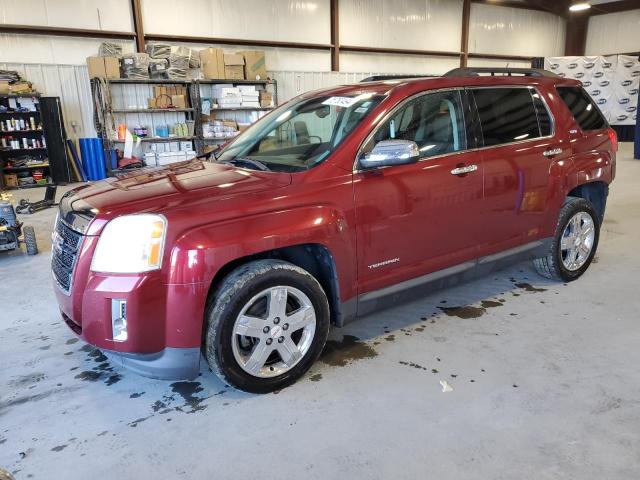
552, 153
464, 169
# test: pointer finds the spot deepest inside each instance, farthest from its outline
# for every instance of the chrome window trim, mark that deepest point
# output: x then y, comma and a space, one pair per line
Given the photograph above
476, 149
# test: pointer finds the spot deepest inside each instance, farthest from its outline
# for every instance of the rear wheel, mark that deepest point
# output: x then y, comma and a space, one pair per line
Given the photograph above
30, 242
574, 244
267, 324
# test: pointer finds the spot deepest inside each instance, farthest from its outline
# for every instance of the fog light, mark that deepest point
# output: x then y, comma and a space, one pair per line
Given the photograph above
119, 320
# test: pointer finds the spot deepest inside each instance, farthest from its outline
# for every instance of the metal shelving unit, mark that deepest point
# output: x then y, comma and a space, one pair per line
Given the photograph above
127, 97
11, 155
202, 141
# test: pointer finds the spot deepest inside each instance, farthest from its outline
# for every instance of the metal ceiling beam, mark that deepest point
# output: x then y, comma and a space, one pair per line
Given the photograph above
65, 32
614, 7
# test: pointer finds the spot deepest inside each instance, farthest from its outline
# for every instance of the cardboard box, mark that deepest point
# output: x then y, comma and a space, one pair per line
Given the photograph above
178, 101
266, 99
4, 88
103, 67
10, 180
254, 65
234, 66
212, 63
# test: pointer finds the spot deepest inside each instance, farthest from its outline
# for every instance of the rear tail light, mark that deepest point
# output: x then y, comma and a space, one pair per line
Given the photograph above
613, 137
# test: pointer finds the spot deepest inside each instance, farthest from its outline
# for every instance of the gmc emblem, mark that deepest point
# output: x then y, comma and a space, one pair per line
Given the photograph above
598, 74
587, 83
606, 65
630, 109
601, 101
595, 93
604, 83
623, 101
579, 75
622, 117
572, 66
554, 66
626, 83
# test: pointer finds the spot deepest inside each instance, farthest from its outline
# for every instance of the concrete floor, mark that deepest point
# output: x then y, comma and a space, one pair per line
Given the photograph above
545, 383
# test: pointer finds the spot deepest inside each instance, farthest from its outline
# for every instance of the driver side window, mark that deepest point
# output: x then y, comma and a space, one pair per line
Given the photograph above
434, 121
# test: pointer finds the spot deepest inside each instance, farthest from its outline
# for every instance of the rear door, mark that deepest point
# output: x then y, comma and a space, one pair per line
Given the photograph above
418, 218
519, 146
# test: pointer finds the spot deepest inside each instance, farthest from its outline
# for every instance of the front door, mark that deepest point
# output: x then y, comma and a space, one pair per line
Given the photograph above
418, 218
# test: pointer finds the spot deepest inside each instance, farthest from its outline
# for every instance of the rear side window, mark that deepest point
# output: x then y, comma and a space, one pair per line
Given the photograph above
506, 115
582, 108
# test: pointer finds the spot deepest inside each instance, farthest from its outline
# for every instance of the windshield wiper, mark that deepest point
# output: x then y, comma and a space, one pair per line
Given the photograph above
248, 161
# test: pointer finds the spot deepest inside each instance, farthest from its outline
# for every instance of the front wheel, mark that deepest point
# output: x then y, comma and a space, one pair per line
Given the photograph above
574, 244
267, 324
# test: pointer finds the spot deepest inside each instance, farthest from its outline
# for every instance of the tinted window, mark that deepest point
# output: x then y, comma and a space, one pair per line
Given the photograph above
583, 109
506, 115
544, 119
434, 121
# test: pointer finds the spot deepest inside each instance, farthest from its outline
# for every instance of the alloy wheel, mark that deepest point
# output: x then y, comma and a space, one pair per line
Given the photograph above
273, 331
577, 241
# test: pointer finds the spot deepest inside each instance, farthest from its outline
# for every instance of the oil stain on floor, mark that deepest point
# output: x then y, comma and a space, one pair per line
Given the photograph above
341, 353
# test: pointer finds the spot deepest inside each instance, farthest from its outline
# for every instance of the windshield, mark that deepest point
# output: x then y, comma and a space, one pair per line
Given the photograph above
300, 134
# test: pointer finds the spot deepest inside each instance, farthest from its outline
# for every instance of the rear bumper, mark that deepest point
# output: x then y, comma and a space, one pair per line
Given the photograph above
168, 364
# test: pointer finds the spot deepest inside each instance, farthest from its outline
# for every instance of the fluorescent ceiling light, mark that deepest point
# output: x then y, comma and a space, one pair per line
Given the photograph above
577, 7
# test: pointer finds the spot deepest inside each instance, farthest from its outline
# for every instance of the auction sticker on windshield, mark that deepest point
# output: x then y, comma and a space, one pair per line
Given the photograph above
340, 101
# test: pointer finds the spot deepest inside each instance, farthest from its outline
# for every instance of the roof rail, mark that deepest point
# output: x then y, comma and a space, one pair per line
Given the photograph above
375, 78
476, 71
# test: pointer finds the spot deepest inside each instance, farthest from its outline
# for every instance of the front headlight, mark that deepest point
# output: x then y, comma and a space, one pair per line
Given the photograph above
130, 244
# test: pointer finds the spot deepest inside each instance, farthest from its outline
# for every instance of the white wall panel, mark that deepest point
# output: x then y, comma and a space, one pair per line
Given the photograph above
414, 24
515, 31
279, 20
92, 14
614, 33
375, 62
485, 62
50, 49
292, 84
71, 84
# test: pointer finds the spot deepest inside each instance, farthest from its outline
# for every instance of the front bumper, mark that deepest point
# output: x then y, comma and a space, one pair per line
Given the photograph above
168, 364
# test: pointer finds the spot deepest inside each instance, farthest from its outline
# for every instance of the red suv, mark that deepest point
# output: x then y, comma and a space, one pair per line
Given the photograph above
335, 204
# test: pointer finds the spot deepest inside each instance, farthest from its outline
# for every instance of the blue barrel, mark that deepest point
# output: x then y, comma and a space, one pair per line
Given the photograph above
113, 158
85, 152
99, 161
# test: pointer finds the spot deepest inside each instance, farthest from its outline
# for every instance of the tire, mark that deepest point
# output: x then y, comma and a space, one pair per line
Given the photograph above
248, 293
30, 242
557, 264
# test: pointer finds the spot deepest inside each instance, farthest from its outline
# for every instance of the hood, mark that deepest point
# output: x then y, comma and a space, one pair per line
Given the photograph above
176, 185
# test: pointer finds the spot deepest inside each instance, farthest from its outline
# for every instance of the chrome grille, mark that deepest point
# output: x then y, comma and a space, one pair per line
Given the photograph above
66, 246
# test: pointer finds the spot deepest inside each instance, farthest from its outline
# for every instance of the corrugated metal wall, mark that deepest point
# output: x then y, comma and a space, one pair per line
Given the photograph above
71, 84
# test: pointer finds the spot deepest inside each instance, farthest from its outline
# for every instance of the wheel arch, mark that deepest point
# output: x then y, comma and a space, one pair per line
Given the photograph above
315, 258
594, 192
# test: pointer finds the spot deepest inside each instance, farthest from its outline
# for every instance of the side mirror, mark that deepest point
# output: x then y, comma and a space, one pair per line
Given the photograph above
391, 152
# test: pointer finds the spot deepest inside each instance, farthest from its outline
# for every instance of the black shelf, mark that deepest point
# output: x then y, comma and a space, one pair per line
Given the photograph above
4, 133
158, 139
149, 81
17, 169
151, 110
236, 82
22, 150
36, 112
21, 95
